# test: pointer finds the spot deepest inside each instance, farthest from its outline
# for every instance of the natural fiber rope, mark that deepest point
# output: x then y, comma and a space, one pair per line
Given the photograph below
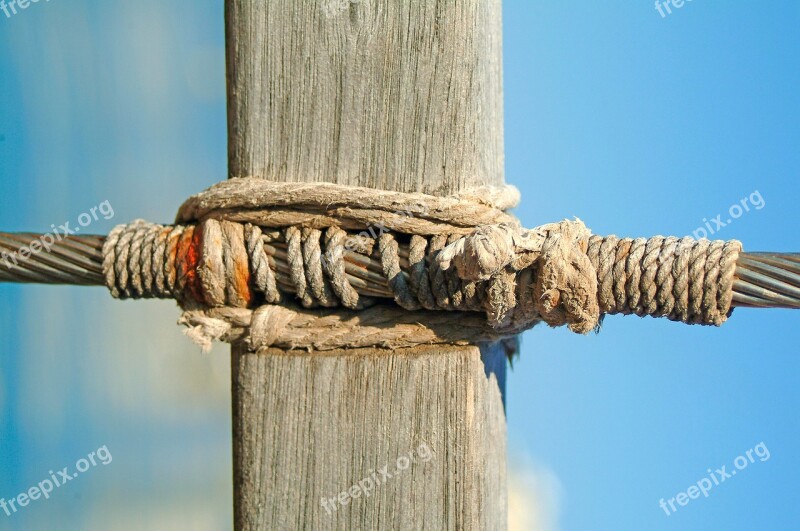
456, 254
681, 279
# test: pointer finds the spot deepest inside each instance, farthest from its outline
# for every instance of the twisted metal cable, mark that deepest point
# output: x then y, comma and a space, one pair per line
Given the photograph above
69, 260
767, 280
763, 280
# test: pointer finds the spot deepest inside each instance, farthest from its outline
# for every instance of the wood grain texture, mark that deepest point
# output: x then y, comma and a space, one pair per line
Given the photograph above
397, 95
313, 427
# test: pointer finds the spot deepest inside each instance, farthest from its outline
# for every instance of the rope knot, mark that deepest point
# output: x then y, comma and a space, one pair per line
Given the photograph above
566, 283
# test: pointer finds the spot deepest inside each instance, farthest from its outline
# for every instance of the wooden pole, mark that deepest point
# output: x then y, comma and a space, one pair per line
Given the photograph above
397, 95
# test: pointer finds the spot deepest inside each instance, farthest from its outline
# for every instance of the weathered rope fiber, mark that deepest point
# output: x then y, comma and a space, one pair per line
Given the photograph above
681, 279
249, 242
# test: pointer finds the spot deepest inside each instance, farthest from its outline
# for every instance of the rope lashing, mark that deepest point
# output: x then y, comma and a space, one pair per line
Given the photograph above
297, 265
460, 254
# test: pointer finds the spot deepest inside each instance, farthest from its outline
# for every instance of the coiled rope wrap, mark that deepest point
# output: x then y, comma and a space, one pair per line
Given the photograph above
682, 279
457, 254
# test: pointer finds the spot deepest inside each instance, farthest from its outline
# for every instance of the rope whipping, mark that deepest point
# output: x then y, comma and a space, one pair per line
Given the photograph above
275, 263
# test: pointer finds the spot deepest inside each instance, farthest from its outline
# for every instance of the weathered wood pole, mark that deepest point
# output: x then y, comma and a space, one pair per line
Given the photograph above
390, 94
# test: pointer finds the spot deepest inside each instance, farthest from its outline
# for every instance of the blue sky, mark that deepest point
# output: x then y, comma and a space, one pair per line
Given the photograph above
636, 123
643, 125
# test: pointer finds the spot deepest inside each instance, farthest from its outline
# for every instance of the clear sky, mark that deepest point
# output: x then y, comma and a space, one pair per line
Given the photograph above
638, 123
